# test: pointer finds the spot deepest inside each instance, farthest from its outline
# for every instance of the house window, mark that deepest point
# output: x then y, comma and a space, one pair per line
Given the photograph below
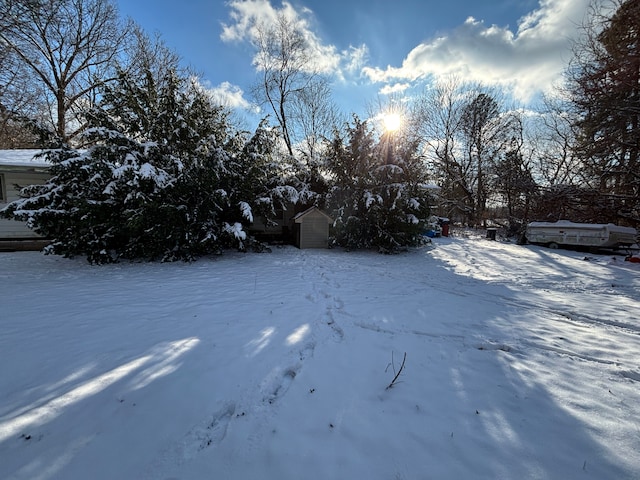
3, 190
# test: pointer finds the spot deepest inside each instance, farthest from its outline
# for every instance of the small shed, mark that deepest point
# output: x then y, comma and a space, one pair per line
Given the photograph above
312, 228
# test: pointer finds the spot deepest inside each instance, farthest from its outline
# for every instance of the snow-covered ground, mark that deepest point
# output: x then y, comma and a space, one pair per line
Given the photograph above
521, 363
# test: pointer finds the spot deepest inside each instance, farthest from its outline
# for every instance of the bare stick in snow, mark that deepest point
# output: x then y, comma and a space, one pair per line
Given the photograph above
399, 371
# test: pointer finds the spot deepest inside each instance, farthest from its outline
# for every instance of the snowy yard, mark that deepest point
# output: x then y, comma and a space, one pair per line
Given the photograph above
521, 363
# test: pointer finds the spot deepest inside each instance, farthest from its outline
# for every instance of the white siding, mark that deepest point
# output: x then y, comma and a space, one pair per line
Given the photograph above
11, 229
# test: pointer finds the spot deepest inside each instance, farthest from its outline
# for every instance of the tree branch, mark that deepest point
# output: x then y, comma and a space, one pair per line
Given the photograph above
399, 372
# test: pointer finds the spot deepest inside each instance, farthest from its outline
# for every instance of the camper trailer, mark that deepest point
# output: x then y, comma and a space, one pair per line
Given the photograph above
590, 235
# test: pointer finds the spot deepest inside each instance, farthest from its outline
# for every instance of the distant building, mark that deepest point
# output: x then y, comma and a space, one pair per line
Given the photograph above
311, 228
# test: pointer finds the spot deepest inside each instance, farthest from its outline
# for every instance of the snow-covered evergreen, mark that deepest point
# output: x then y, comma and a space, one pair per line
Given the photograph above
165, 177
377, 198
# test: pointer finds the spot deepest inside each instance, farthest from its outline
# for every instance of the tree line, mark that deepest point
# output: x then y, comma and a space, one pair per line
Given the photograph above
145, 164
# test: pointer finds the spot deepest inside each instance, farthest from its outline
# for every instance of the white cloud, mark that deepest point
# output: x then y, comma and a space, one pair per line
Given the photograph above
526, 61
355, 58
394, 88
248, 15
228, 95
244, 14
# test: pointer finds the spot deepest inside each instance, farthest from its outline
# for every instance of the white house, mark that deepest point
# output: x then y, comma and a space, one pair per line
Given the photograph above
19, 168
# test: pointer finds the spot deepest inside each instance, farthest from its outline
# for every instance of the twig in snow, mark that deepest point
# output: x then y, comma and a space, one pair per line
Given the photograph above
399, 371
391, 364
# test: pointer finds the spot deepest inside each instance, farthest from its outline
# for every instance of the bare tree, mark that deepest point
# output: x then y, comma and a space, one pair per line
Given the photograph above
479, 129
552, 136
315, 115
513, 179
290, 82
487, 132
18, 97
69, 47
18, 101
145, 54
437, 115
466, 130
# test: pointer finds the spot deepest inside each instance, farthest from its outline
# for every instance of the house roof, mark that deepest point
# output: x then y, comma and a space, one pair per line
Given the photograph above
22, 158
298, 217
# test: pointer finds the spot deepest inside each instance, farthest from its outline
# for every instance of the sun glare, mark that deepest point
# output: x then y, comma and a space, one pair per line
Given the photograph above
391, 122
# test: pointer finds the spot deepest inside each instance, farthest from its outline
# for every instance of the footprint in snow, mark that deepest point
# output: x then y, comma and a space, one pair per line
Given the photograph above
277, 384
307, 351
205, 435
216, 429
338, 333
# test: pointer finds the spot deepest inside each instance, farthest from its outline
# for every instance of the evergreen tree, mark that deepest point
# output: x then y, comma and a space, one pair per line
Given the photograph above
166, 178
604, 83
256, 184
378, 198
71, 208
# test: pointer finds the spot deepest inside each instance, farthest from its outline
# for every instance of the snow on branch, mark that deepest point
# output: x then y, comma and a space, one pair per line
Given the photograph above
236, 230
370, 199
245, 208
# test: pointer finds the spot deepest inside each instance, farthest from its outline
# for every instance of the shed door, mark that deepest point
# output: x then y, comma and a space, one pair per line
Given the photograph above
314, 232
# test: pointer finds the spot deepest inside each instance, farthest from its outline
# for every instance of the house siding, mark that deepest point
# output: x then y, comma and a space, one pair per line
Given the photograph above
12, 229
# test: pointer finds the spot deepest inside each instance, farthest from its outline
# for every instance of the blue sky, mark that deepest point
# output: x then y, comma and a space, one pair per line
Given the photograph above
372, 48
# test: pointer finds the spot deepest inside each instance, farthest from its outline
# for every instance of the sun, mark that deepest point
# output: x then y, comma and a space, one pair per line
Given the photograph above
391, 122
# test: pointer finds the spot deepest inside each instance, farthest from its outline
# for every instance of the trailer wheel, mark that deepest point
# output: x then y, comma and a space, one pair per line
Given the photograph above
553, 246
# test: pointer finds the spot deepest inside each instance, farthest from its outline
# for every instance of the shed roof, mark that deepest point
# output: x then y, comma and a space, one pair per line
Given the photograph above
298, 217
